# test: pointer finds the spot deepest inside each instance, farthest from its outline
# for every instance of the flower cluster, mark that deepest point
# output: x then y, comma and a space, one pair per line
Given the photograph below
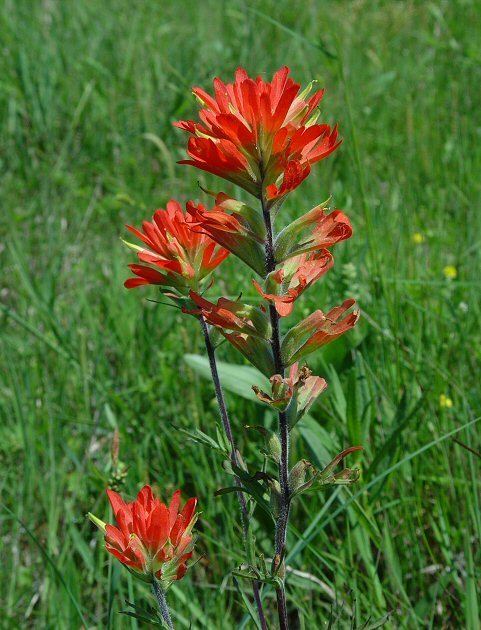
176, 255
259, 134
264, 136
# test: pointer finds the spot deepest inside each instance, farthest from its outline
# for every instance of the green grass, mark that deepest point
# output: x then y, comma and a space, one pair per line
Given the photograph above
88, 91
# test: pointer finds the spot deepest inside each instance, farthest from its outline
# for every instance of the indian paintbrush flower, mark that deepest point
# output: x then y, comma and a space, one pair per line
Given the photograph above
299, 387
297, 274
246, 327
263, 136
233, 225
151, 538
314, 230
259, 134
176, 256
317, 330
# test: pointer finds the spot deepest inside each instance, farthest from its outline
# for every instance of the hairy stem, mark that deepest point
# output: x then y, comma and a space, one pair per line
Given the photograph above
233, 458
162, 602
285, 498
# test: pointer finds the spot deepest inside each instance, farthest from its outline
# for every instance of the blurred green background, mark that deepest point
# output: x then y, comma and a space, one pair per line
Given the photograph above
88, 92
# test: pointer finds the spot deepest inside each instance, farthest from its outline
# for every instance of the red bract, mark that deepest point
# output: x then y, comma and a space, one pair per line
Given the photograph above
151, 537
317, 330
297, 275
230, 315
314, 230
257, 133
299, 384
176, 256
232, 225
294, 174
246, 327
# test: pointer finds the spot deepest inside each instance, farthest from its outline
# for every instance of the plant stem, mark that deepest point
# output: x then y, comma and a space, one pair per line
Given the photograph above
285, 497
233, 458
162, 602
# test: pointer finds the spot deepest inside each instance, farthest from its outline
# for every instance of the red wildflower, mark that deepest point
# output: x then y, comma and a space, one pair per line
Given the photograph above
314, 230
231, 315
246, 327
150, 537
299, 385
317, 330
294, 175
255, 133
176, 256
233, 225
297, 275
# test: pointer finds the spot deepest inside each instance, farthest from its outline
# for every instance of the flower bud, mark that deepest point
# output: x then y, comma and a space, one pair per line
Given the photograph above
297, 474
274, 447
300, 388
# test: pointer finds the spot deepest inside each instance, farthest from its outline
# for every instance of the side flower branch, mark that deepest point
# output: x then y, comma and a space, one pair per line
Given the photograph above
178, 258
152, 539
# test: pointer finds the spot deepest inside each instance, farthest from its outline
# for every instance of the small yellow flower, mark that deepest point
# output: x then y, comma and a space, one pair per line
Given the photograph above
450, 272
418, 238
445, 402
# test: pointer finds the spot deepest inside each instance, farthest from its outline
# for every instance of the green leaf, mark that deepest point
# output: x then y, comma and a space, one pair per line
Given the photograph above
354, 408
237, 379
247, 604
202, 438
336, 394
386, 453
318, 441
471, 590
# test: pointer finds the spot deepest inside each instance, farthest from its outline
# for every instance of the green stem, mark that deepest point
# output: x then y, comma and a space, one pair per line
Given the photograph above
285, 496
234, 460
159, 594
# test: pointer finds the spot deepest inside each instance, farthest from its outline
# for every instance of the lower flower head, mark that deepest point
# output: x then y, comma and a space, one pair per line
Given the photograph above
151, 537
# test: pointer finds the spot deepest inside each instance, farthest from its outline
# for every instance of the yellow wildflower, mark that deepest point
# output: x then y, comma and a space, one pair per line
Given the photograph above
418, 238
445, 402
450, 272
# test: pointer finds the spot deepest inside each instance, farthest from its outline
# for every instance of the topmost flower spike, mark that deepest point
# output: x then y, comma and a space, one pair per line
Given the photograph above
262, 136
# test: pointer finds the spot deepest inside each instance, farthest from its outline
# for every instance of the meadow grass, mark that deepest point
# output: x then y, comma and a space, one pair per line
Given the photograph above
88, 92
